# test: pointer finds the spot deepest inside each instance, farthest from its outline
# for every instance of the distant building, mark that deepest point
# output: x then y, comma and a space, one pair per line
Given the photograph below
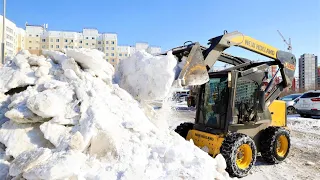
146, 47
36, 38
14, 38
308, 71
318, 77
297, 83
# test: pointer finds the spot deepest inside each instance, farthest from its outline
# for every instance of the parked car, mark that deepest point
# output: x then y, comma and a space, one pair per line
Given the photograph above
308, 104
289, 99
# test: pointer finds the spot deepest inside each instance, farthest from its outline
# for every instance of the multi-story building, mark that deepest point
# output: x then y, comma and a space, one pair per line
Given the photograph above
297, 83
36, 38
318, 76
14, 37
33, 38
20, 38
308, 71
145, 46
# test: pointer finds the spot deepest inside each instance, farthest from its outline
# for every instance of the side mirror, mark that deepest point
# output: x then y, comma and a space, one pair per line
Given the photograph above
261, 101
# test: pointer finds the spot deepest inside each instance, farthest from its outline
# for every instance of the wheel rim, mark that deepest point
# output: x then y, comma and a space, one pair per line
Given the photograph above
244, 156
282, 145
291, 110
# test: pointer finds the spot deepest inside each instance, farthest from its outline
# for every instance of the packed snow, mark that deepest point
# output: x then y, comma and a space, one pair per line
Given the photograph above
156, 72
64, 117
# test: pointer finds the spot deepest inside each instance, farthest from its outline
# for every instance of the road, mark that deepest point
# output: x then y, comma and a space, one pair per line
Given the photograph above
303, 161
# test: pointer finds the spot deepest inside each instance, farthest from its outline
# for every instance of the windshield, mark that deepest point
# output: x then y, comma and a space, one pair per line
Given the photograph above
310, 95
290, 97
215, 101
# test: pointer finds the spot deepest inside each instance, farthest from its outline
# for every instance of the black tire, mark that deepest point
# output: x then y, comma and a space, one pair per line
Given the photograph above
308, 116
291, 110
183, 129
305, 115
229, 151
269, 144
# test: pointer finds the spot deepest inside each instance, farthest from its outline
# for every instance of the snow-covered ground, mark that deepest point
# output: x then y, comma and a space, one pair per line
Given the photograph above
303, 161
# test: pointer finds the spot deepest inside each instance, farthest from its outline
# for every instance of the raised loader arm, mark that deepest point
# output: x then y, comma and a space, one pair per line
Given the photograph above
200, 59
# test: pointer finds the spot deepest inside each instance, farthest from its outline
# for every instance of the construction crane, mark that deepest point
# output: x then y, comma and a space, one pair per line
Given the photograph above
285, 41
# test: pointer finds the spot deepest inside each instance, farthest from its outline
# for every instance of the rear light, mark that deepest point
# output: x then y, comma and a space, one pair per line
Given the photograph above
314, 109
315, 99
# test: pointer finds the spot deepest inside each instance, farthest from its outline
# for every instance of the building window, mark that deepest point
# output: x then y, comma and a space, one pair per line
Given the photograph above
107, 42
80, 46
57, 46
80, 41
112, 48
125, 55
71, 47
43, 40
120, 54
112, 54
29, 35
43, 46
57, 40
30, 41
92, 37
87, 37
99, 49
37, 35
107, 60
112, 60
65, 46
29, 47
71, 40
92, 44
112, 42
37, 48
87, 44
99, 42
107, 54
51, 46
107, 48
66, 40
51, 40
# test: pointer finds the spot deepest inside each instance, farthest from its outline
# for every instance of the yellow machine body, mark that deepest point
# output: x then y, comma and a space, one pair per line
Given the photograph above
211, 141
214, 141
278, 113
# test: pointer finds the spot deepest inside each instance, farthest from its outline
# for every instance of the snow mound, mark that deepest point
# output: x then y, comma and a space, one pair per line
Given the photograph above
68, 121
304, 124
147, 77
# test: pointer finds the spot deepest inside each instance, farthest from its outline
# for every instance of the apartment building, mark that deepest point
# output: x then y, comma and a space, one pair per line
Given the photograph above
145, 46
308, 71
14, 38
36, 38
33, 38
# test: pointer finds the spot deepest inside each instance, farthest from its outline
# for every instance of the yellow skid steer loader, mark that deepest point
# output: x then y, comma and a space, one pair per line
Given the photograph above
237, 111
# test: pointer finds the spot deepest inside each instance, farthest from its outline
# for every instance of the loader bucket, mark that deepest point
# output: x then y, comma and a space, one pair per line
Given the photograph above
194, 71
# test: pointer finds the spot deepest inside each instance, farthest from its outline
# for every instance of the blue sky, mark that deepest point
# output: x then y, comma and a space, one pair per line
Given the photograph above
169, 23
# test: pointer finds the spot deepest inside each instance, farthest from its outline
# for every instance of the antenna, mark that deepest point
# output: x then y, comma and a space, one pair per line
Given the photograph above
285, 41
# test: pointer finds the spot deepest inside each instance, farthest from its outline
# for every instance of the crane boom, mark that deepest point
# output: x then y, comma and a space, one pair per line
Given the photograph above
285, 41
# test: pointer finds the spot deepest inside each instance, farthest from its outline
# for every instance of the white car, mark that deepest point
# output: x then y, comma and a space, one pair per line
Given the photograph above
308, 104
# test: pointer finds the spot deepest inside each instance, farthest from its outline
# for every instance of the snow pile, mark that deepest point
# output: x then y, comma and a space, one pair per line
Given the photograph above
308, 125
63, 118
147, 77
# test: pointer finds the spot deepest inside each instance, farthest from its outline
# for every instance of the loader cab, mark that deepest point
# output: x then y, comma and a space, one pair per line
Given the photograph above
213, 101
229, 99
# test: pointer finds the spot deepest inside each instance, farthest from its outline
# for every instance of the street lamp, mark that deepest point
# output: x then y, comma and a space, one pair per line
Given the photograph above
3, 31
